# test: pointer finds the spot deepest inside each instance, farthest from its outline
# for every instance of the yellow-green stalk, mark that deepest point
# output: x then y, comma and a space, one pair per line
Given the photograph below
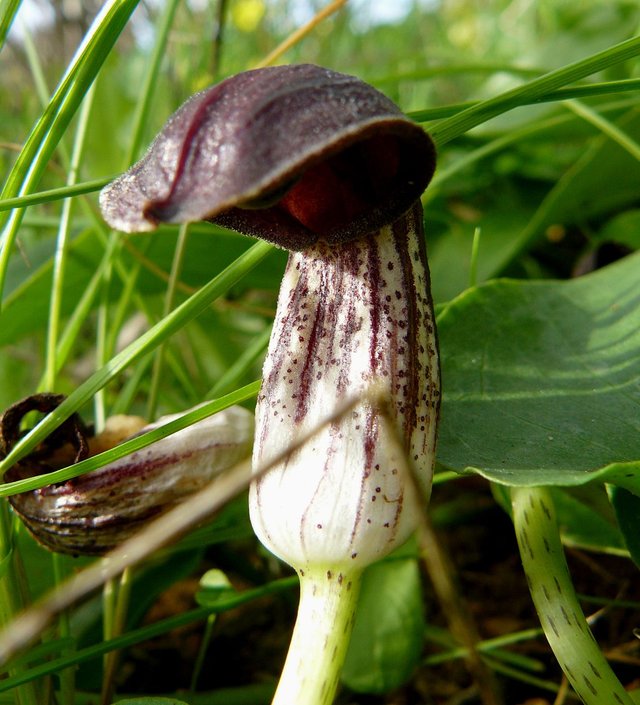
554, 596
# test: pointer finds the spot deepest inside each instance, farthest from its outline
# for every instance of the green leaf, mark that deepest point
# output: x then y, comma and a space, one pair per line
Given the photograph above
627, 507
450, 256
387, 636
214, 586
8, 9
27, 306
586, 519
605, 178
51, 125
151, 701
624, 229
542, 380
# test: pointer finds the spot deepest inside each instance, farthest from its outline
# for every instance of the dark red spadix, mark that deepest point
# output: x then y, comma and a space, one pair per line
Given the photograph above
290, 154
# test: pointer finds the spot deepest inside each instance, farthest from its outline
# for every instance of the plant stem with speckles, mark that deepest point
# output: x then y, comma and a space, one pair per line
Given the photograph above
320, 638
555, 600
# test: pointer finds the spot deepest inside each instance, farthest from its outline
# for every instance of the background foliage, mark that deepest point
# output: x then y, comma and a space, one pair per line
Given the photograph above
533, 220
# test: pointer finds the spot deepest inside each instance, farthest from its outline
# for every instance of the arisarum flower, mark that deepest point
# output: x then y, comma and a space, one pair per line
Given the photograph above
324, 165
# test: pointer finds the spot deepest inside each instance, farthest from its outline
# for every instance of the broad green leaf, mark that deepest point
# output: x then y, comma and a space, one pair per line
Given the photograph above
387, 639
627, 507
605, 178
542, 380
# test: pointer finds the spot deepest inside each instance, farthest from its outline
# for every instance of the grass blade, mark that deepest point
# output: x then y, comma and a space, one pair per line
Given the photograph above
54, 120
453, 127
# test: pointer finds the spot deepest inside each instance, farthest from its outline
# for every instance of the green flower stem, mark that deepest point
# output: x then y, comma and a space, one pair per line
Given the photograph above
553, 594
202, 652
320, 638
115, 628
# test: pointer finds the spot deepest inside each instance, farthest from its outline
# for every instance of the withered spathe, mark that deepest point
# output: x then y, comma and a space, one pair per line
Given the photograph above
95, 512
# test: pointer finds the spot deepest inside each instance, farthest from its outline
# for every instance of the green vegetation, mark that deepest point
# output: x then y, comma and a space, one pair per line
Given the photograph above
533, 227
